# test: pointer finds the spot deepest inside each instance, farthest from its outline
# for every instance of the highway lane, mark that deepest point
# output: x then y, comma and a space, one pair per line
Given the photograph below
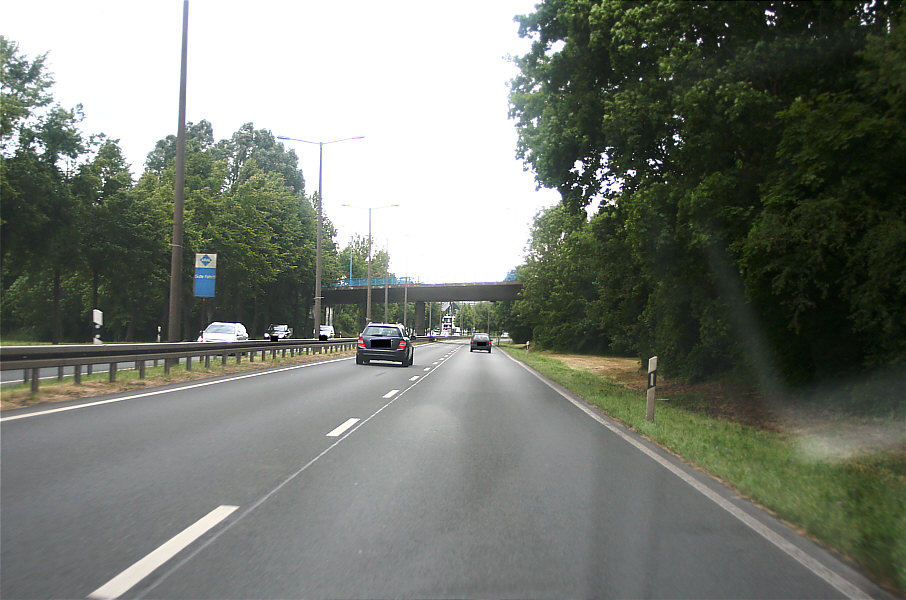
474, 480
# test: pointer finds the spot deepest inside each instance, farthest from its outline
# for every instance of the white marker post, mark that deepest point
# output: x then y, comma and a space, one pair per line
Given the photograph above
97, 318
527, 344
652, 386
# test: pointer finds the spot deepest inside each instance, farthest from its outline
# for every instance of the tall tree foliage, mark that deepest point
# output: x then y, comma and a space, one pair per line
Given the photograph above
77, 233
745, 159
40, 143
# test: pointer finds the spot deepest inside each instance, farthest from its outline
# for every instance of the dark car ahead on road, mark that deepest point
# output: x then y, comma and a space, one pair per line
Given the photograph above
480, 341
278, 332
384, 341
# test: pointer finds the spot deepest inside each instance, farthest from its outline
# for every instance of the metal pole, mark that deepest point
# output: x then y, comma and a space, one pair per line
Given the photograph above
173, 334
387, 285
317, 307
318, 246
368, 305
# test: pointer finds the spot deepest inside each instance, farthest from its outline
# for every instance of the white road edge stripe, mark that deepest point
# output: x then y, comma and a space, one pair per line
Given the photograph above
845, 587
342, 428
390, 394
126, 580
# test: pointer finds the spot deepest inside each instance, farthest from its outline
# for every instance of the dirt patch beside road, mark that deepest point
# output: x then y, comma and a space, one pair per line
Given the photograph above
822, 434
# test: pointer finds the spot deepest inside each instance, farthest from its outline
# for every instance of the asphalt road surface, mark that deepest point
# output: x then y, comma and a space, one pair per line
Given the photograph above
465, 475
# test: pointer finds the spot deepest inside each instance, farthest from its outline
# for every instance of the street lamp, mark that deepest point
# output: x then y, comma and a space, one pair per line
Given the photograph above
317, 311
370, 208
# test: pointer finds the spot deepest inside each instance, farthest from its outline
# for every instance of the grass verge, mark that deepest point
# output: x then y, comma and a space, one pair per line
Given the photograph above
855, 506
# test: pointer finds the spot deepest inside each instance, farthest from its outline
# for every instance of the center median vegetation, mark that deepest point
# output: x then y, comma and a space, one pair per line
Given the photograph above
851, 502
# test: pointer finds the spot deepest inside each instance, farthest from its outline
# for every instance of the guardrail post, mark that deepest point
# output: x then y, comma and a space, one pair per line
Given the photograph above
77, 372
60, 373
140, 365
112, 372
189, 363
207, 361
35, 376
166, 366
223, 359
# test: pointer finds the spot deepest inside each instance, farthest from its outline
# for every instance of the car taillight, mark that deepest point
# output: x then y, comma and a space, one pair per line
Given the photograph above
402, 345
361, 342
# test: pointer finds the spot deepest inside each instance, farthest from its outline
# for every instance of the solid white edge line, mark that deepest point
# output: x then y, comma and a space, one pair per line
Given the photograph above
390, 394
171, 390
126, 580
845, 587
342, 428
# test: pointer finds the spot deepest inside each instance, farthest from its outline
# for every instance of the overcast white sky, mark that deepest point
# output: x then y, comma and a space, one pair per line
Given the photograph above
424, 82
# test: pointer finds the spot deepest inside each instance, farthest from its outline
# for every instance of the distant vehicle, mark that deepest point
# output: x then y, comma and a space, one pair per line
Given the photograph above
480, 341
327, 332
224, 332
278, 332
384, 341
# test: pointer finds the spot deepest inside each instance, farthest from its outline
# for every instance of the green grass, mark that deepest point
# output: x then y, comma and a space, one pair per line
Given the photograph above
855, 506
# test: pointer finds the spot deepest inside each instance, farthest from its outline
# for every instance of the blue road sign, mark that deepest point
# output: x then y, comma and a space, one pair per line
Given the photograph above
205, 274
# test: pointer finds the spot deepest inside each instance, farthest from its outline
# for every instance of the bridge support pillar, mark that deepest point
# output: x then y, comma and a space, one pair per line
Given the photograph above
420, 318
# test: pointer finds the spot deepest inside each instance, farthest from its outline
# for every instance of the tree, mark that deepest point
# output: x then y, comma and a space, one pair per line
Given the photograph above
36, 188
747, 159
259, 145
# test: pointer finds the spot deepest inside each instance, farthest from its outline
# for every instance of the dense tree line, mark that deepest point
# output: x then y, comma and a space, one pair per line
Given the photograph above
732, 182
78, 233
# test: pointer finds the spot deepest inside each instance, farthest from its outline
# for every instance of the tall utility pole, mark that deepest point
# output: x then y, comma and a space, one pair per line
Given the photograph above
179, 194
317, 308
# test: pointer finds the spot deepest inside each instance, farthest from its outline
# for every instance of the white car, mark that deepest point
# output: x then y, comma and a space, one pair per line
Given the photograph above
224, 332
327, 332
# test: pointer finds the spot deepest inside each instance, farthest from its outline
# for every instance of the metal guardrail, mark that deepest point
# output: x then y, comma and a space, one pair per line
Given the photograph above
375, 281
31, 359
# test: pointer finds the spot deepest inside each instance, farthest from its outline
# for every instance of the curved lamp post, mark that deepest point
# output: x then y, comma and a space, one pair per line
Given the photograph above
317, 310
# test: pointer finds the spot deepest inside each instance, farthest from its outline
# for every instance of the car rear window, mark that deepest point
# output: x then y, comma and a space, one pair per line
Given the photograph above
378, 331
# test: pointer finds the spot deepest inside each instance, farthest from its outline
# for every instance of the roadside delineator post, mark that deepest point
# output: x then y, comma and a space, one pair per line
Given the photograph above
527, 344
652, 386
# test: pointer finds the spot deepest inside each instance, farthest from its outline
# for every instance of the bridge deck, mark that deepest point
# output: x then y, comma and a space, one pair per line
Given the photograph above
424, 292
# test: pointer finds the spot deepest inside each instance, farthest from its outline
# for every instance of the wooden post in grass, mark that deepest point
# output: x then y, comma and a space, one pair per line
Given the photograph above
652, 386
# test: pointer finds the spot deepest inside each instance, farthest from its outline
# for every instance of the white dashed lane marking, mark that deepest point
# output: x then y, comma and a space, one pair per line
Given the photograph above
342, 428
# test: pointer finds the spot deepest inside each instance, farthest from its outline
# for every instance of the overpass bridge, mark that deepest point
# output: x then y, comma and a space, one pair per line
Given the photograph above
403, 290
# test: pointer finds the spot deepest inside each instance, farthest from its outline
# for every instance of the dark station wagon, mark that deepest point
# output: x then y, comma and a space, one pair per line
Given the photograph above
480, 341
384, 341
